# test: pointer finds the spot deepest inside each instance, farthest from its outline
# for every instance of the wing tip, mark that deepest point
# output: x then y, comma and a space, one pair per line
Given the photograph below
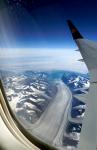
75, 33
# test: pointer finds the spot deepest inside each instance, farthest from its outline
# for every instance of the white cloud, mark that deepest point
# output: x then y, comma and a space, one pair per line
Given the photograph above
41, 59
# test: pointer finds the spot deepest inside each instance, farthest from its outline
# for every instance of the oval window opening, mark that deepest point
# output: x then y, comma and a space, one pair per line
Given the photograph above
41, 76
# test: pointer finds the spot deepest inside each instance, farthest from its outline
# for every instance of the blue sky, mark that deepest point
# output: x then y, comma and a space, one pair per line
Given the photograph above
42, 23
37, 30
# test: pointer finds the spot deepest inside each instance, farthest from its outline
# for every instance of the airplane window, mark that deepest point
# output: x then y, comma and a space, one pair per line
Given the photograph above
41, 75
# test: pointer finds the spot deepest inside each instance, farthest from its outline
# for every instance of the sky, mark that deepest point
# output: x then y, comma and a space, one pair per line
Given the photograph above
40, 25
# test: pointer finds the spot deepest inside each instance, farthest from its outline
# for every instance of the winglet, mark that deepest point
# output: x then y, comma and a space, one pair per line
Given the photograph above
75, 33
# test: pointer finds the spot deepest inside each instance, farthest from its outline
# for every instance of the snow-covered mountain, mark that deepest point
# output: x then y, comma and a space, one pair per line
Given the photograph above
28, 93
77, 83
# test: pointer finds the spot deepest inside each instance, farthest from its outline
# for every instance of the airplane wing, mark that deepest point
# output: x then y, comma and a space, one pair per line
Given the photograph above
88, 50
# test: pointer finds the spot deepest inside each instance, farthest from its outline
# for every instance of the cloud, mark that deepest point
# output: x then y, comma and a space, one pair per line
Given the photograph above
41, 59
